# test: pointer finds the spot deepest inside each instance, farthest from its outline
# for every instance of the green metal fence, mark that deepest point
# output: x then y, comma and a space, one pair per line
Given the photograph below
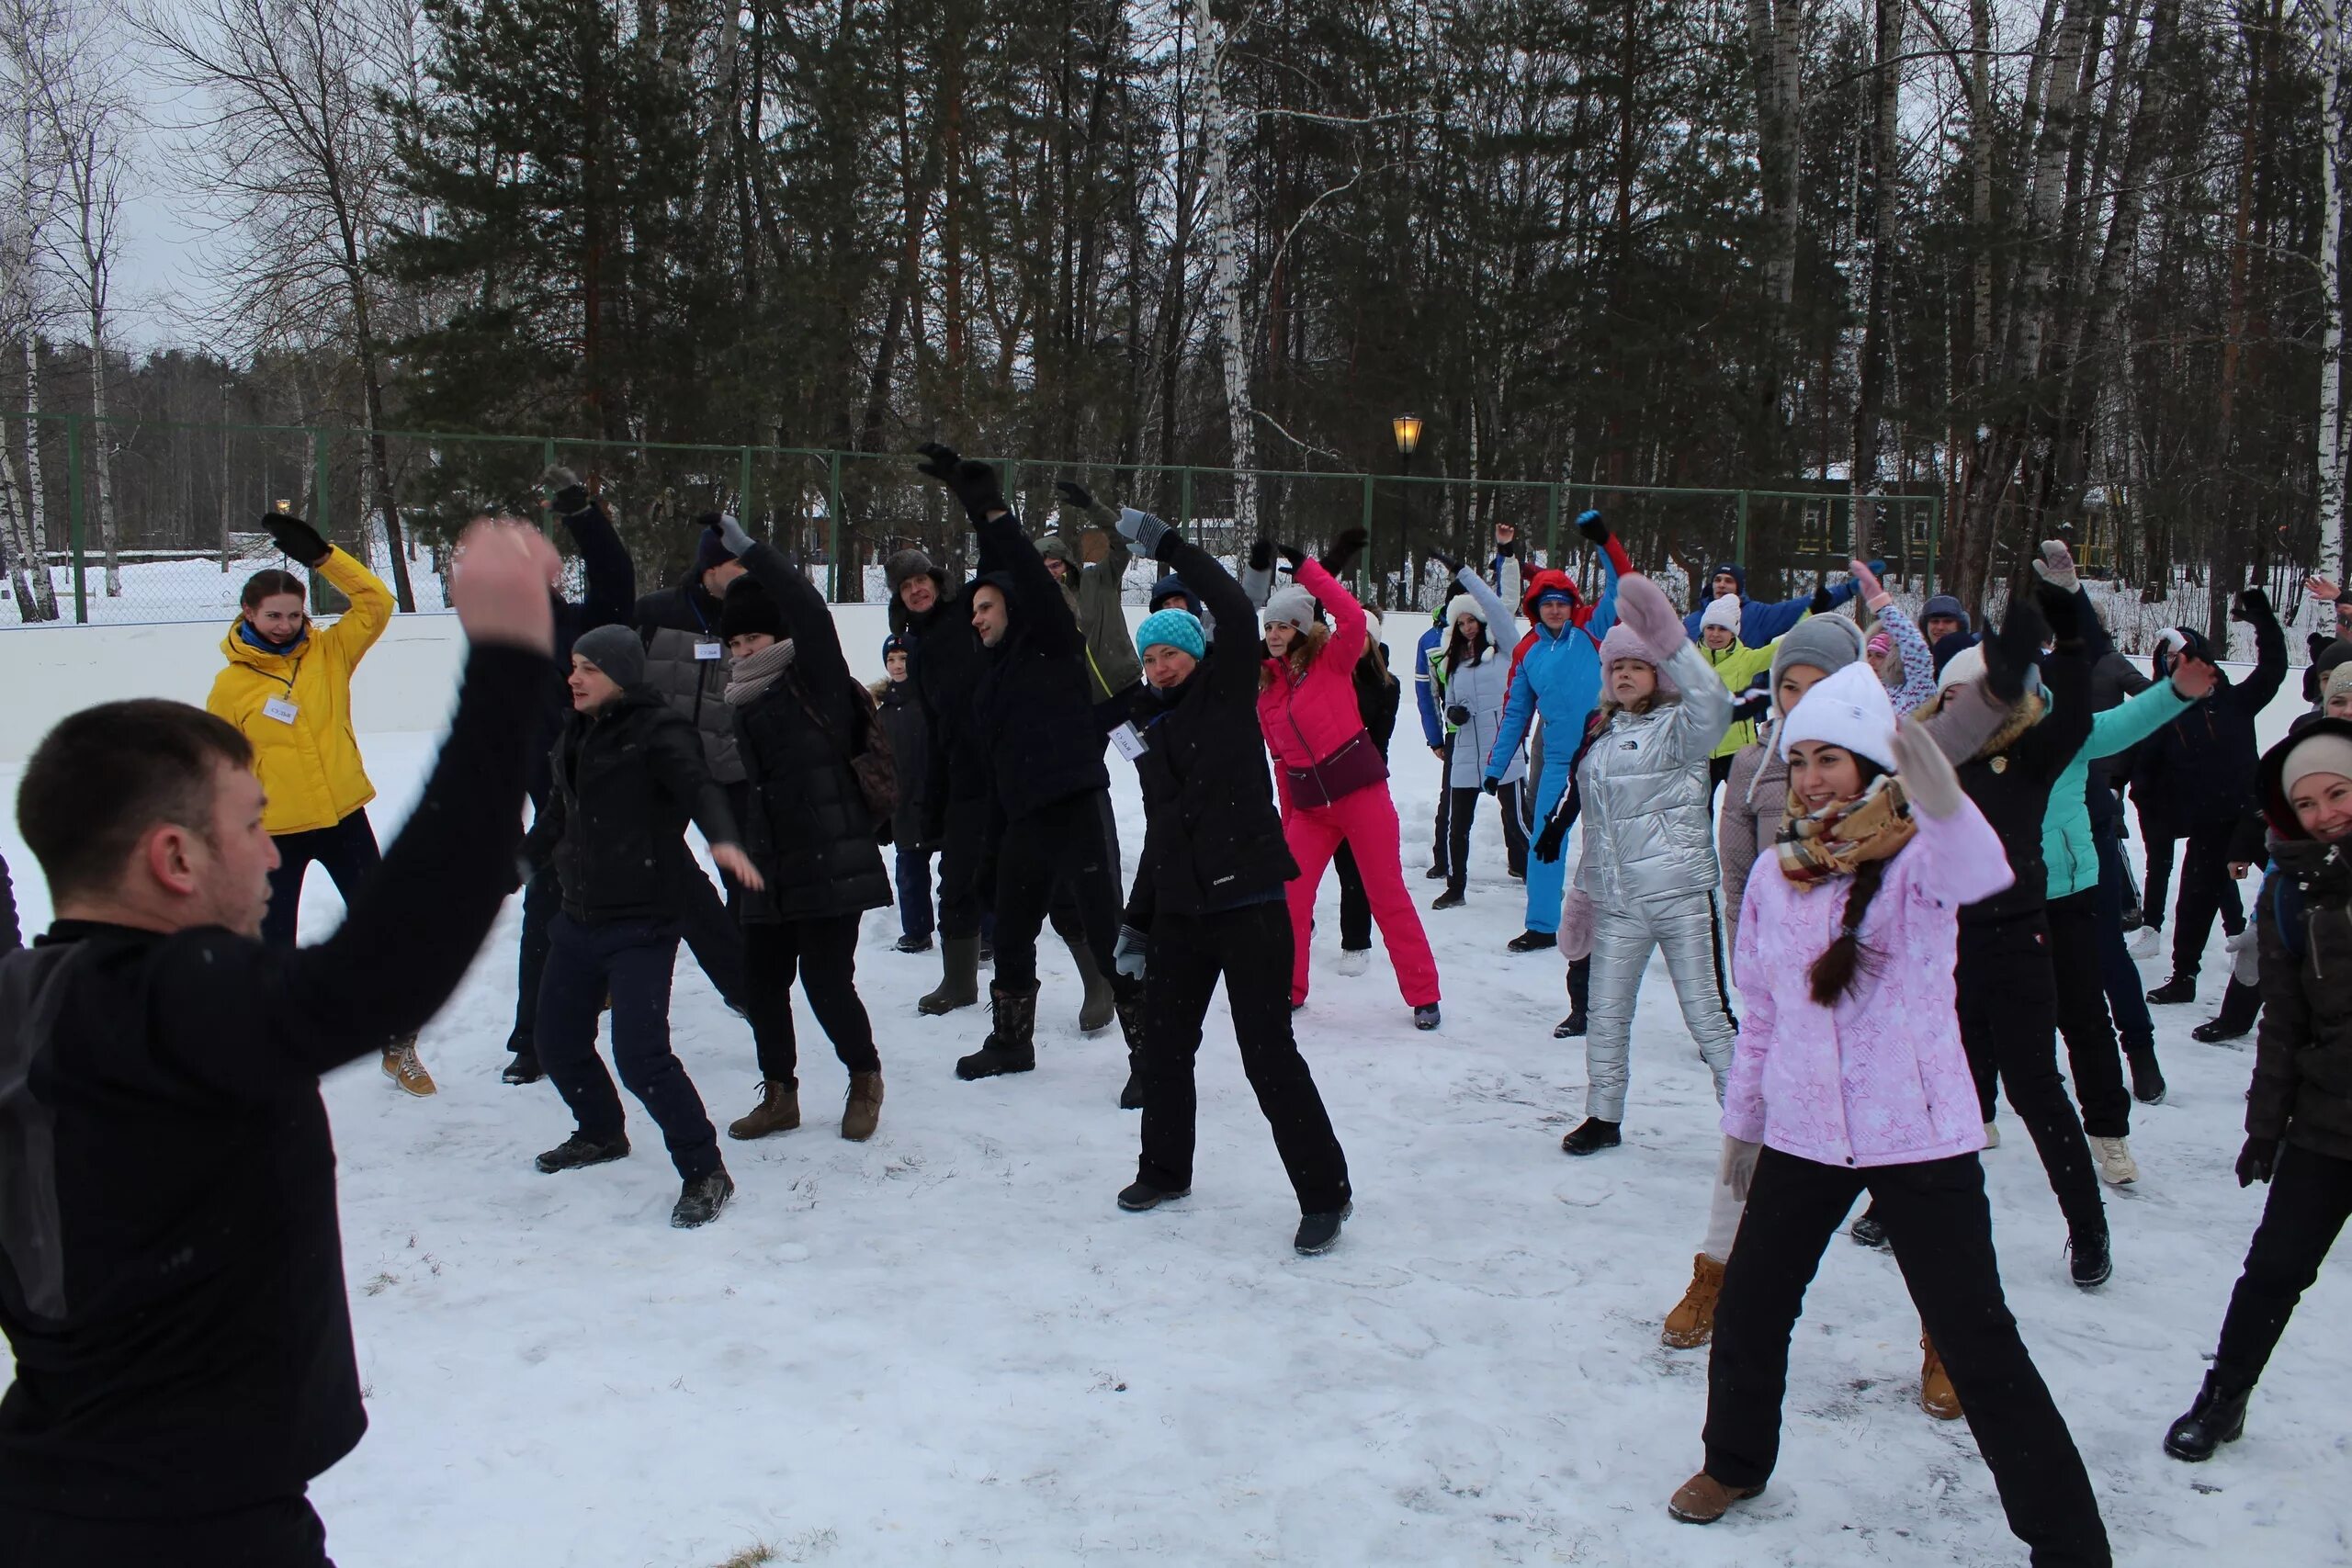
142, 520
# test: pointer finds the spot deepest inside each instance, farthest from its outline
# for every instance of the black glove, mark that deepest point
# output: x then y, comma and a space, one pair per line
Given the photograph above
1074, 494
2014, 649
1344, 552
1590, 525
1552, 839
1454, 565
1262, 555
569, 501
1507, 547
973, 482
2251, 605
2257, 1160
1491, 785
296, 538
1457, 716
1821, 603
1292, 553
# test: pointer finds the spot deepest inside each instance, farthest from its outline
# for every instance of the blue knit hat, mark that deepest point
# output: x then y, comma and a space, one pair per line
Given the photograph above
1177, 628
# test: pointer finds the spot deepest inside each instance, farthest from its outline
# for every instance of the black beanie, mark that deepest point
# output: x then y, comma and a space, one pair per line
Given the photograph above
749, 608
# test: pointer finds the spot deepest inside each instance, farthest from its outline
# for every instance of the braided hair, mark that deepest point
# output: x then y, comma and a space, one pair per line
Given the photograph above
1845, 961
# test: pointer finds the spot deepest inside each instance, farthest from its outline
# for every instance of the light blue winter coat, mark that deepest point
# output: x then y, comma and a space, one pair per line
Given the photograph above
2066, 847
1559, 677
1480, 687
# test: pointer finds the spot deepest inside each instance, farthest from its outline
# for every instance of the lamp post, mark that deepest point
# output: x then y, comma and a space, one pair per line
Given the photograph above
1406, 428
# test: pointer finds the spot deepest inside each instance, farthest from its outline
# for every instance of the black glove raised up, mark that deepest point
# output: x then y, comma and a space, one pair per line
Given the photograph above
1590, 525
296, 538
2252, 605
2257, 1161
1822, 602
1343, 550
567, 497
1291, 554
972, 481
1074, 494
2060, 609
1262, 555
2013, 651
1454, 565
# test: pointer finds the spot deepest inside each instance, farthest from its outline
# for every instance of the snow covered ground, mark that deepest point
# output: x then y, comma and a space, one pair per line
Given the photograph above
948, 1347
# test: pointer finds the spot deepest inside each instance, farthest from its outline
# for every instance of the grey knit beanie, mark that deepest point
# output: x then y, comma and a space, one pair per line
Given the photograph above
617, 652
1828, 643
1292, 606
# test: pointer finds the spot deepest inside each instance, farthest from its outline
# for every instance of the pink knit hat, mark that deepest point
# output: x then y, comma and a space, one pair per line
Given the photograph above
1880, 643
1620, 643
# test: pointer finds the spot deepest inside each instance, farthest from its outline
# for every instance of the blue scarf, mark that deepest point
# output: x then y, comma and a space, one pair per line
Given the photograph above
253, 638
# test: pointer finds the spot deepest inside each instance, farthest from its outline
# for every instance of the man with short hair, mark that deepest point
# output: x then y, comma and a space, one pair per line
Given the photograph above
171, 1263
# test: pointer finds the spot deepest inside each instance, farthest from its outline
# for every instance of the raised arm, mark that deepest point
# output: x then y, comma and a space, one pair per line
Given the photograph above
1490, 604
1045, 614
371, 607
2270, 651
1348, 626
611, 590
1233, 659
816, 641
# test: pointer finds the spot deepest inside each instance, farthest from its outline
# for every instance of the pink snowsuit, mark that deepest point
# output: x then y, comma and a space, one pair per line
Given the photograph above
1305, 722
1880, 1079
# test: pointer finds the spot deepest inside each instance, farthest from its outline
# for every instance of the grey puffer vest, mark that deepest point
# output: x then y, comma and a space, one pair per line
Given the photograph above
698, 689
1644, 787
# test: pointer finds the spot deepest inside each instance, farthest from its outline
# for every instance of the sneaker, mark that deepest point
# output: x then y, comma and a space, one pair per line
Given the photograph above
2147, 1078
1354, 961
2179, 989
579, 1151
1992, 1136
1702, 1500
1320, 1232
1425, 1016
1569, 1028
402, 1066
914, 944
1532, 942
701, 1199
1867, 1232
523, 1068
1451, 898
2091, 1264
2146, 942
1591, 1136
1137, 1196
2113, 1156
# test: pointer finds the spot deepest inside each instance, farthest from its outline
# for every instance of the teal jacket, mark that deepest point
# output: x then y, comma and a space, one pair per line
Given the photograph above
2066, 847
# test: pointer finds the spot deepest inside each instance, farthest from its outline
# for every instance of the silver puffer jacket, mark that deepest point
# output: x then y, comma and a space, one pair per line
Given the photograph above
1644, 786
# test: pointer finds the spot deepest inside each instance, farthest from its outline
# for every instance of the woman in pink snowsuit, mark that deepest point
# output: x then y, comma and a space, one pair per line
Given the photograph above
1331, 778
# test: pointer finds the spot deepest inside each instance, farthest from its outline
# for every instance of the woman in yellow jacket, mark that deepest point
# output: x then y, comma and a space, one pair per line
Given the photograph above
287, 689
1736, 664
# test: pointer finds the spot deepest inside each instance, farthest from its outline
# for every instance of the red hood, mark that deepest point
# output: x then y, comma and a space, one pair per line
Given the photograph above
1544, 582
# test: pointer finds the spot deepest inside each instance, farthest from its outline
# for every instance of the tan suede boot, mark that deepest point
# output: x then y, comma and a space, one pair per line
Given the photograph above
1937, 1396
402, 1066
1693, 1322
863, 1110
1702, 1500
777, 1111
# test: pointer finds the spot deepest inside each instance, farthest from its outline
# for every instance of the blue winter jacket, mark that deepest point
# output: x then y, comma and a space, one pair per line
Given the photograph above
1559, 676
1759, 624
1424, 694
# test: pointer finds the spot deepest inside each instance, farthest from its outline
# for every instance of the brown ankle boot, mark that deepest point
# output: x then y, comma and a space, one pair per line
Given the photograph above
1702, 1500
1692, 1321
777, 1111
1937, 1396
863, 1110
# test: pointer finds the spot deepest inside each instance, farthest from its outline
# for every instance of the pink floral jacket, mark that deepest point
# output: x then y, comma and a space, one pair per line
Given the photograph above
1880, 1077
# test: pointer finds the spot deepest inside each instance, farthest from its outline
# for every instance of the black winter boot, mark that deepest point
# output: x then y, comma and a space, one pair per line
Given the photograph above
1592, 1135
523, 1068
699, 1202
580, 1150
1095, 1012
2241, 1004
1532, 941
2179, 989
1128, 1001
1318, 1234
2217, 1417
2147, 1077
1010, 1046
959, 979
1579, 985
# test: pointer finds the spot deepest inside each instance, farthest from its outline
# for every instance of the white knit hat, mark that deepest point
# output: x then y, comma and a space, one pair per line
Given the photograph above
1849, 708
1291, 606
2328, 753
1462, 605
1721, 611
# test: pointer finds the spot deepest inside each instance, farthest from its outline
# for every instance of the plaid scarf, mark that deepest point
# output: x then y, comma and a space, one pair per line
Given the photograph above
1843, 834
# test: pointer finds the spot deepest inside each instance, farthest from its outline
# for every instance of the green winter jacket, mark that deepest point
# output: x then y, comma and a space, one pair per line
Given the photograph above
1094, 596
1736, 666
2067, 846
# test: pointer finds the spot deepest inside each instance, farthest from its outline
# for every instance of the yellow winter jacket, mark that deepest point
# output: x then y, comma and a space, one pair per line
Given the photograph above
309, 765
1737, 665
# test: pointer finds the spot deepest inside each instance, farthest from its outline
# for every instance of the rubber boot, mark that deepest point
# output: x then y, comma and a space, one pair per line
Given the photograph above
1095, 1012
2241, 1004
1128, 1001
959, 979
1011, 1045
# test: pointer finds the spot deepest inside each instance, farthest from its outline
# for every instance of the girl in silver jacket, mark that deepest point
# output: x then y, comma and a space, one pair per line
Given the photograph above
1647, 875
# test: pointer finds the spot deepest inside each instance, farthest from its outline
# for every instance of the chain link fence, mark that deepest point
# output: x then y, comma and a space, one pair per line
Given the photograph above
145, 521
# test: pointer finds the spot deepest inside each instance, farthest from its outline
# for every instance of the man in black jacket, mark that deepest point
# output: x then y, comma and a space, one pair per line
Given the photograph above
1208, 901
629, 776
902, 720
611, 590
2202, 767
686, 666
933, 622
171, 1264
1035, 717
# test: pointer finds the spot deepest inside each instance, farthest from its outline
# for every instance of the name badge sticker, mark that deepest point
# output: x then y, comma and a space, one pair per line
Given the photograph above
281, 710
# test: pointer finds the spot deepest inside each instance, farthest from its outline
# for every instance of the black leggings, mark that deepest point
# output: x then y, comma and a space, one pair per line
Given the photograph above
2008, 1025
2311, 1196
1942, 1231
1462, 810
347, 851
823, 952
2083, 1018
1061, 843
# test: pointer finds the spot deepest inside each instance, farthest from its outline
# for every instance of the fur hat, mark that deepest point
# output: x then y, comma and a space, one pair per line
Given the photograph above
1850, 709
1621, 643
1721, 611
1462, 605
748, 609
1828, 643
1172, 628
617, 652
909, 563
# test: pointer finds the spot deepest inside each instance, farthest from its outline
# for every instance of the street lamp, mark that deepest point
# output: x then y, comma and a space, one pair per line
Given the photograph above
1407, 429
